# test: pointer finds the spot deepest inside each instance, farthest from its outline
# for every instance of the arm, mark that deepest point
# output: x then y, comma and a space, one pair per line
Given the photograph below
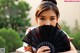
28, 48
73, 50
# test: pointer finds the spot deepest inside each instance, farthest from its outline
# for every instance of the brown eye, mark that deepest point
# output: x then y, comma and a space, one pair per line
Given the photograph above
52, 18
42, 18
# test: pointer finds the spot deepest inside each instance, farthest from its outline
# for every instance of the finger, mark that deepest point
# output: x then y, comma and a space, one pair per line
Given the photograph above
44, 52
47, 51
28, 52
45, 48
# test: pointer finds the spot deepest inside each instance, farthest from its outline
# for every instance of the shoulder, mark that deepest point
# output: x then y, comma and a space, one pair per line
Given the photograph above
65, 34
62, 32
29, 29
70, 38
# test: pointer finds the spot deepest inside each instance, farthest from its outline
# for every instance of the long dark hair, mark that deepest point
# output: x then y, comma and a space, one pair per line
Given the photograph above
48, 5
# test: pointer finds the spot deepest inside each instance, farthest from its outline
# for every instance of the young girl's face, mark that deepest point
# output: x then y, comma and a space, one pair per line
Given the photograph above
47, 18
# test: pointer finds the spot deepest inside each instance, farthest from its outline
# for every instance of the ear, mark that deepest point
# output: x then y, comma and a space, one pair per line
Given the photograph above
36, 19
57, 20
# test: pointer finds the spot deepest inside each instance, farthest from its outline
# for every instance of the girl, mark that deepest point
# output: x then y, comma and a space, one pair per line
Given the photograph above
48, 14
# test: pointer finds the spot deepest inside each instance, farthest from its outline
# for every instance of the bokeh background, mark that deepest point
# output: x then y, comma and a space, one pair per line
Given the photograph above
17, 15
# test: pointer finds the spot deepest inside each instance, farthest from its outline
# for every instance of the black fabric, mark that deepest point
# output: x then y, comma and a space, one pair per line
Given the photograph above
48, 34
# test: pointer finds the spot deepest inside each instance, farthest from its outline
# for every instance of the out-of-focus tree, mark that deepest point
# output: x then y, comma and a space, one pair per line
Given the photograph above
3, 44
10, 39
75, 33
76, 27
65, 27
13, 14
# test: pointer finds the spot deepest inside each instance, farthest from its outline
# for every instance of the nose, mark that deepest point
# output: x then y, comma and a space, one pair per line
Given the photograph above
47, 23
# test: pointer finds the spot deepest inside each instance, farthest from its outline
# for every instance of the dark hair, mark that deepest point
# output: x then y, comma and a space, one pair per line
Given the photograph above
47, 5
53, 1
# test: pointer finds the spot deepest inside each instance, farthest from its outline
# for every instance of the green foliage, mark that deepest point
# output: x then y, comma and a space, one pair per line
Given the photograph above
12, 39
76, 40
74, 33
65, 27
3, 44
13, 14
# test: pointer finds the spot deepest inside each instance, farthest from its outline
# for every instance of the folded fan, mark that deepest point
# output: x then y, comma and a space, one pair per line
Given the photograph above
48, 35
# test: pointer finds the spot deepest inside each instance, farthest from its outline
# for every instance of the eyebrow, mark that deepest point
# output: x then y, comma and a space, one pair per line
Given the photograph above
52, 16
41, 16
44, 16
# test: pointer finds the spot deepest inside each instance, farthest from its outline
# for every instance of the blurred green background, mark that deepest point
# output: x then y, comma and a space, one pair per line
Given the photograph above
73, 33
14, 21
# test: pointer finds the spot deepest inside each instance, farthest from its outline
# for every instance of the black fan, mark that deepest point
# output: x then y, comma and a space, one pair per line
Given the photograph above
48, 35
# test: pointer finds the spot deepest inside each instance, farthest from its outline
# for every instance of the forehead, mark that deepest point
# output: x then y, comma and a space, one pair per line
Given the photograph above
48, 13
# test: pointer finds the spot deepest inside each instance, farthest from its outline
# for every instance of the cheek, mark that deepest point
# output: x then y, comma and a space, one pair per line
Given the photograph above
40, 23
53, 23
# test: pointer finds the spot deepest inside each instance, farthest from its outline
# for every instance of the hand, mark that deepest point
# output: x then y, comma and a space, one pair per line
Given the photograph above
43, 49
28, 48
27, 52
